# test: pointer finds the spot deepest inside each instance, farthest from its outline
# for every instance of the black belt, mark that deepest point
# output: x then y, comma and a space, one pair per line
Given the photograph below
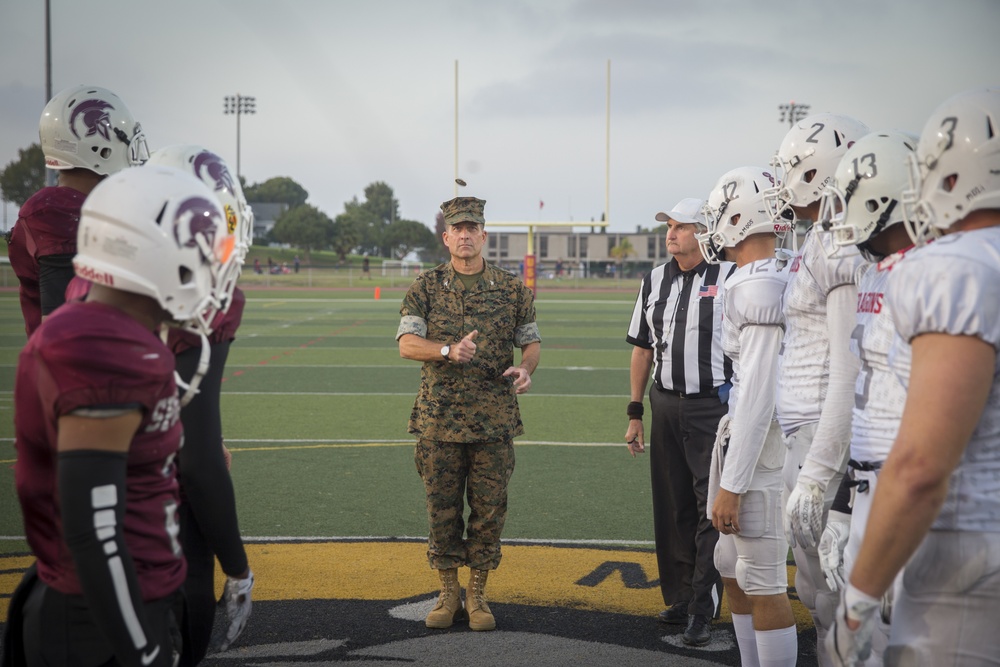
865, 466
711, 393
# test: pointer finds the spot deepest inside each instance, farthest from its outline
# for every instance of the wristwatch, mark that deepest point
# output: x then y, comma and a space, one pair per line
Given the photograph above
445, 351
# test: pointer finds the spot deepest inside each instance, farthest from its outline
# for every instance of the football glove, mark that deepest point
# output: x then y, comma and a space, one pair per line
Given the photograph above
846, 647
831, 548
237, 605
804, 514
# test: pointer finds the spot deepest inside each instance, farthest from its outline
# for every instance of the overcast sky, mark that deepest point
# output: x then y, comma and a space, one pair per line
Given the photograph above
351, 92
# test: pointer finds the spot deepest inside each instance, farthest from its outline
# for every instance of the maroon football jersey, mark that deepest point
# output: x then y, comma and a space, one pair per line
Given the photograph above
46, 225
93, 355
223, 328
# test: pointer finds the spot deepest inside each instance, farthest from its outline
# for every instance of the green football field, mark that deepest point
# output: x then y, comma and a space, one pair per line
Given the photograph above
315, 405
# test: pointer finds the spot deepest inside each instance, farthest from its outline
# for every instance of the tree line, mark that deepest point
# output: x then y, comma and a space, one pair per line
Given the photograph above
371, 226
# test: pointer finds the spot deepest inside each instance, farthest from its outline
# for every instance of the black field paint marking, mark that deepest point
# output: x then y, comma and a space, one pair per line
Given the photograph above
632, 575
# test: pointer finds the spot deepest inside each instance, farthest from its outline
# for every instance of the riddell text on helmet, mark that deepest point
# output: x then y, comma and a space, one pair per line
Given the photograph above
96, 276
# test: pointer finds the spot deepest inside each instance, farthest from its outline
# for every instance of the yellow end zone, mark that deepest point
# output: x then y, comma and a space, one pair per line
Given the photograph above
607, 580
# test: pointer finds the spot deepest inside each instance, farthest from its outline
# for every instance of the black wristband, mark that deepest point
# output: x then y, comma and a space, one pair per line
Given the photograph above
635, 410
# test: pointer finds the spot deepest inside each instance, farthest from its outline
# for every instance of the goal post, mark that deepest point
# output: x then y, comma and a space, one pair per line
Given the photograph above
399, 268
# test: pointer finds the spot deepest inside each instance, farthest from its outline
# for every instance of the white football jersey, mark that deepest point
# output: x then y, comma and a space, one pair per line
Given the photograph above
950, 286
879, 394
752, 327
804, 365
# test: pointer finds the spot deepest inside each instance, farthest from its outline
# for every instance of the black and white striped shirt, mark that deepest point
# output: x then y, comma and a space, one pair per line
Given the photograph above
678, 314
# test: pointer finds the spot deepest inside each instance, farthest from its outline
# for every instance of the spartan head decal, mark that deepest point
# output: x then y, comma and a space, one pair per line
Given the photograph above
94, 114
215, 168
196, 218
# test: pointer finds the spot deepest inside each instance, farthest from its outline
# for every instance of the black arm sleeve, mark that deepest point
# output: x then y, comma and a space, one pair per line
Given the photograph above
54, 274
92, 499
842, 501
205, 481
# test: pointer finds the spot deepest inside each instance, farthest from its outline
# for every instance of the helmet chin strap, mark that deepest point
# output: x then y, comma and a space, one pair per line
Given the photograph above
190, 387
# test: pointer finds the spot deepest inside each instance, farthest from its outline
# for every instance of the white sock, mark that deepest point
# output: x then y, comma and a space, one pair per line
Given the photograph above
746, 639
778, 648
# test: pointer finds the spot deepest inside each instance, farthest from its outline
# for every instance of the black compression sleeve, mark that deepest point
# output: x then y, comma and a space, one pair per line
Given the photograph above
92, 499
842, 501
205, 482
54, 274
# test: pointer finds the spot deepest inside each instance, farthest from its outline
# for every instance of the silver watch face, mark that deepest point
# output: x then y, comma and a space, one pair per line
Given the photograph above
445, 350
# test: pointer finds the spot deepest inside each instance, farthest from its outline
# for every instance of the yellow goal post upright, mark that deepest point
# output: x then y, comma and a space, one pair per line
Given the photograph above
530, 276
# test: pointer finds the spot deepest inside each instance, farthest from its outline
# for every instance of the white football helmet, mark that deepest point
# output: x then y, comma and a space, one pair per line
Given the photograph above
863, 199
215, 173
735, 210
956, 169
90, 127
158, 232
807, 158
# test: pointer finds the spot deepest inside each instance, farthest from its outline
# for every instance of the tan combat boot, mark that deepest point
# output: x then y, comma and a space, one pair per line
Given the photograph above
449, 604
480, 616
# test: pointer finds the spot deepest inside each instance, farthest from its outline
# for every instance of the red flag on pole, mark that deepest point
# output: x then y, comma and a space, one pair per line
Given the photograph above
541, 204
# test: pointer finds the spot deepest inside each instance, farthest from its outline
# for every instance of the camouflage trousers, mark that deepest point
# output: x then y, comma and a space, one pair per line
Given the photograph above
480, 472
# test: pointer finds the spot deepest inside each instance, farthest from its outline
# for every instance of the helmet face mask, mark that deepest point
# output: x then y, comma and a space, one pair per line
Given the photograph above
156, 232
215, 173
864, 197
735, 210
956, 168
89, 127
806, 160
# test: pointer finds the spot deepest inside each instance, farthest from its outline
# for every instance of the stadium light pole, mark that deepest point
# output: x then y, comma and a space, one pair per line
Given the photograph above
50, 174
239, 105
792, 112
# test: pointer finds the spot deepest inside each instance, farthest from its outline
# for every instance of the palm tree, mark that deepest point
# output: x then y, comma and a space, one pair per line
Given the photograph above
622, 252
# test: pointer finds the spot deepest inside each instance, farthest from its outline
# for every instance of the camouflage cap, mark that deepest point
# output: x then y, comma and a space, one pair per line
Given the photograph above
463, 209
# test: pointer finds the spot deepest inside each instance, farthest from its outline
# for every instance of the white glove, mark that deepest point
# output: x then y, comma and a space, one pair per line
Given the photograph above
887, 601
846, 647
804, 513
722, 432
831, 548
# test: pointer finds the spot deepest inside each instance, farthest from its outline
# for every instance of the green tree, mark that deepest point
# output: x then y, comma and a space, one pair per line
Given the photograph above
305, 227
367, 224
24, 176
436, 252
382, 210
405, 236
277, 190
346, 235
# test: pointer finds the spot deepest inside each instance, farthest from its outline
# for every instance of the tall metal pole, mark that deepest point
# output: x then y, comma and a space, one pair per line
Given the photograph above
238, 115
50, 176
456, 128
607, 151
239, 105
48, 54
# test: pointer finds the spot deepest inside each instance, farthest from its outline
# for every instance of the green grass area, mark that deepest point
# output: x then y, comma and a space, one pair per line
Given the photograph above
316, 402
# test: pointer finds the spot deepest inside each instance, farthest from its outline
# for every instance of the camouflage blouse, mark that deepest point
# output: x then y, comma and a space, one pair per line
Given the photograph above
470, 402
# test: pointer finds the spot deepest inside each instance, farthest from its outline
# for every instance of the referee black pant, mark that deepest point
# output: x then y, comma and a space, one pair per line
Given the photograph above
681, 440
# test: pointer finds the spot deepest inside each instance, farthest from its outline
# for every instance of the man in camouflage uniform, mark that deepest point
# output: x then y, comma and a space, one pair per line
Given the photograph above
463, 320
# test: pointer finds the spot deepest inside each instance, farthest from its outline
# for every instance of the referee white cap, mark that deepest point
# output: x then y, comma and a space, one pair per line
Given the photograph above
687, 211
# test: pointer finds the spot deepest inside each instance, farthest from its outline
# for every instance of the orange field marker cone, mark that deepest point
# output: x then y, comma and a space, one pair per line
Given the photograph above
378, 293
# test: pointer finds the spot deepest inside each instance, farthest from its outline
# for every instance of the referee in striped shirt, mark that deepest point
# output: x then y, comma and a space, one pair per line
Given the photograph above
676, 330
